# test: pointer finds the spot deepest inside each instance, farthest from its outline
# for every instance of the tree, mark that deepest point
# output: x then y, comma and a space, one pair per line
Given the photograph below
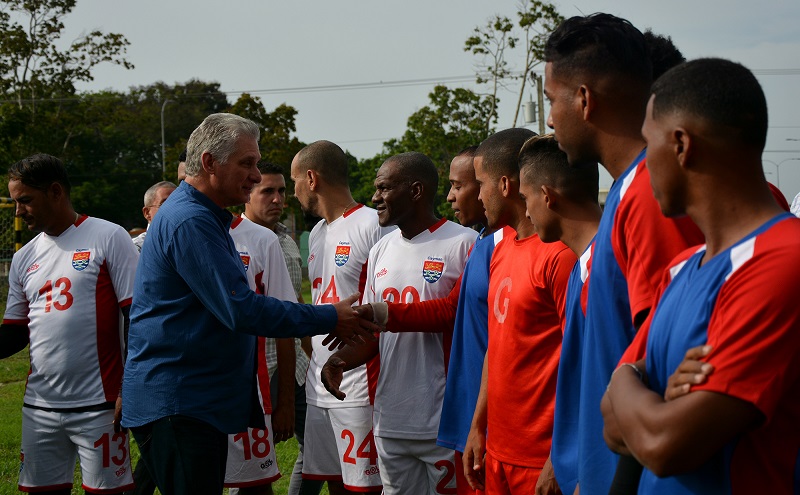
454, 119
31, 65
491, 42
499, 36
537, 20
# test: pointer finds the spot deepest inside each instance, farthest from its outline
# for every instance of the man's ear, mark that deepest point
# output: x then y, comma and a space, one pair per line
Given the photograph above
208, 162
56, 191
551, 199
146, 213
587, 101
313, 179
683, 147
417, 189
507, 187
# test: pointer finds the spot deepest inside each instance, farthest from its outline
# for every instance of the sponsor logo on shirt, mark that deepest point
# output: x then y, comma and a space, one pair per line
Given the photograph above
432, 269
32, 268
80, 259
381, 273
342, 254
245, 259
310, 259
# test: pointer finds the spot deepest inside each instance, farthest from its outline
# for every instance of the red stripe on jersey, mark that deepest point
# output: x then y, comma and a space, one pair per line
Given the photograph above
363, 489
351, 210
262, 374
80, 219
259, 278
362, 282
373, 370
236, 221
16, 322
109, 348
438, 224
125, 302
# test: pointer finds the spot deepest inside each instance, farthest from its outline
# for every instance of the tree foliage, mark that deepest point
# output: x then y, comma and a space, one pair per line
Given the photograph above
453, 120
496, 41
32, 66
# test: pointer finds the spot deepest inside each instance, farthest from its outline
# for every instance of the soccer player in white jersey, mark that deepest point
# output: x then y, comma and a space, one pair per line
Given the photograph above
338, 437
67, 288
252, 466
420, 261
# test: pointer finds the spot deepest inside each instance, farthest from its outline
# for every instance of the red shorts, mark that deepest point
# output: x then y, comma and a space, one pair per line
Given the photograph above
462, 485
507, 479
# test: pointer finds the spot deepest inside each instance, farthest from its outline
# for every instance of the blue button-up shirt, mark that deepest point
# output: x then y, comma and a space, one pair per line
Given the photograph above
191, 348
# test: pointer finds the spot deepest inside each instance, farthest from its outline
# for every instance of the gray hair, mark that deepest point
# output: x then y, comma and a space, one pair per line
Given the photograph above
150, 194
217, 134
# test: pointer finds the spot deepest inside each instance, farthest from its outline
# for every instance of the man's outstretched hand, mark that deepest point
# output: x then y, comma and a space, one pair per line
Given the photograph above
350, 329
331, 376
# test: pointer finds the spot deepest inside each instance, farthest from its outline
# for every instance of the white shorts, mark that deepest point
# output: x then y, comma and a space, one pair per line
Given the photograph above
416, 466
251, 458
51, 441
339, 447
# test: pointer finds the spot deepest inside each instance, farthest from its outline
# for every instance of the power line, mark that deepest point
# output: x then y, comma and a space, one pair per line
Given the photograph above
340, 87
300, 89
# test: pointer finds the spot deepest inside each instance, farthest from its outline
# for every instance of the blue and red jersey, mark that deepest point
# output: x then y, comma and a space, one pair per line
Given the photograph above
634, 244
739, 302
564, 449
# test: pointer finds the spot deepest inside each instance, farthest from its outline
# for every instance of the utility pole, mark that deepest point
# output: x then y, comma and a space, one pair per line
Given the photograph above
537, 80
535, 112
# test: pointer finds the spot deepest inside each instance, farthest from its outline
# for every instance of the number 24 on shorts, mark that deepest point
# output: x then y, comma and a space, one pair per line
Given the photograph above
366, 450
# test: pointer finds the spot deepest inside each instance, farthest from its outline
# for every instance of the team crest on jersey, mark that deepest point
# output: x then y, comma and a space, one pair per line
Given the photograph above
342, 254
432, 269
80, 259
245, 260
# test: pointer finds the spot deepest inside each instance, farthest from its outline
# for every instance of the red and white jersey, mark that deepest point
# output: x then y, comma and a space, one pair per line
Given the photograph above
337, 264
408, 400
261, 254
68, 290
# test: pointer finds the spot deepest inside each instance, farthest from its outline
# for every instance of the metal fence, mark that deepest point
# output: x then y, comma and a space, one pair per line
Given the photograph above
10, 242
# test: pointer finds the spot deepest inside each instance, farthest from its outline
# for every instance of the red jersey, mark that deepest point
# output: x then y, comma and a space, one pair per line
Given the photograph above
527, 291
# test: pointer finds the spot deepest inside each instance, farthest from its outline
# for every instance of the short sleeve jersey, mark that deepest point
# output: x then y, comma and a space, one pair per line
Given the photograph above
633, 245
470, 341
527, 294
264, 266
564, 451
408, 399
68, 289
739, 303
337, 264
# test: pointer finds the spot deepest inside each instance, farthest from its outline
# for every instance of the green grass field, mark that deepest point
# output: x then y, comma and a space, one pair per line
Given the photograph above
13, 371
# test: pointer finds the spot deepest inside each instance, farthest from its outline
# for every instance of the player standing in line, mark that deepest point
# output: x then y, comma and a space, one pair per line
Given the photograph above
252, 465
420, 261
597, 79
737, 432
513, 419
464, 310
338, 249
284, 356
154, 197
66, 289
561, 201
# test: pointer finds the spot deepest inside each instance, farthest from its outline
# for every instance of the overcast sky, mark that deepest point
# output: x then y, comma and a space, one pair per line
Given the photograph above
252, 45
